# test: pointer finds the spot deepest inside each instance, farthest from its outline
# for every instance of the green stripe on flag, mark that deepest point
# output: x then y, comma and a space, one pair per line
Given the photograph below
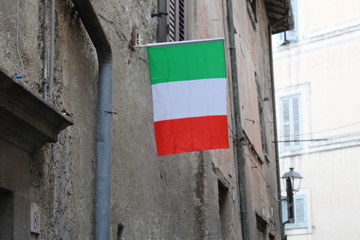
189, 61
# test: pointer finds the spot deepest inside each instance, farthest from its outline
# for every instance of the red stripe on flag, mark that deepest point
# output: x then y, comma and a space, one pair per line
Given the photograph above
191, 134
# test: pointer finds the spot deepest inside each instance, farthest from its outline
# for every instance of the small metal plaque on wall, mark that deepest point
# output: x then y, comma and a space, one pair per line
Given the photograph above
35, 218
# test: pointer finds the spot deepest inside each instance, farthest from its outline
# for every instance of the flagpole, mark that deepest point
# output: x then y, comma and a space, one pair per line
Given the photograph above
183, 42
178, 42
139, 46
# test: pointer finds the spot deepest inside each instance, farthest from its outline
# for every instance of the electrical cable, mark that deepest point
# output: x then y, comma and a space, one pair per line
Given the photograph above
328, 130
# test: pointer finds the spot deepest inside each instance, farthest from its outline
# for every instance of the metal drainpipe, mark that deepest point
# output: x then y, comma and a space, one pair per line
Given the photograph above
52, 48
271, 26
104, 118
239, 149
45, 49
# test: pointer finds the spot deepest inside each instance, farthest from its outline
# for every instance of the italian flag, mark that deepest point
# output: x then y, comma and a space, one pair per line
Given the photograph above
189, 95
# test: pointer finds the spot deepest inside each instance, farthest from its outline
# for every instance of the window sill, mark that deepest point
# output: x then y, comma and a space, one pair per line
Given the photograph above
298, 231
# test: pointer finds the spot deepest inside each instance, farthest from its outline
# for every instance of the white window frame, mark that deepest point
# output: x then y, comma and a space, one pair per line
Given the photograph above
298, 209
297, 228
293, 35
294, 126
304, 91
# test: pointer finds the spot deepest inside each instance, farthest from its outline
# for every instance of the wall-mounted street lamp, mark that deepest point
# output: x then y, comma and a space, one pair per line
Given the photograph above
292, 181
294, 178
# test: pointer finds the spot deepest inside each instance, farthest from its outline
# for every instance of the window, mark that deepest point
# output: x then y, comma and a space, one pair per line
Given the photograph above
293, 123
299, 212
176, 20
287, 37
290, 122
251, 7
223, 211
292, 35
302, 221
261, 117
173, 26
261, 223
271, 236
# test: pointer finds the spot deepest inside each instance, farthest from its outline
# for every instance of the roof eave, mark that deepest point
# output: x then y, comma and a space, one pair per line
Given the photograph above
280, 15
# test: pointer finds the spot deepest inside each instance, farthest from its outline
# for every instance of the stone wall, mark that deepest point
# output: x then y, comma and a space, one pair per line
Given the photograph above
169, 197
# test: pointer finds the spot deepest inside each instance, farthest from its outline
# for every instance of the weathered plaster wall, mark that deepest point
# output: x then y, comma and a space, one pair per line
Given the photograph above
20, 35
170, 197
253, 62
151, 197
254, 69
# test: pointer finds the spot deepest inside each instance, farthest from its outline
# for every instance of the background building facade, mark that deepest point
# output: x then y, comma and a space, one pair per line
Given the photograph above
318, 123
48, 189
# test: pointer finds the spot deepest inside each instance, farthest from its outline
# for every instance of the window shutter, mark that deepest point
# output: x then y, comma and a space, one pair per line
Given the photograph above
284, 211
286, 122
290, 121
182, 20
300, 211
172, 20
292, 35
281, 38
176, 20
296, 120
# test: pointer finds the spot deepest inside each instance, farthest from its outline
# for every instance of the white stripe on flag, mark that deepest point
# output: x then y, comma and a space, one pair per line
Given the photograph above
184, 99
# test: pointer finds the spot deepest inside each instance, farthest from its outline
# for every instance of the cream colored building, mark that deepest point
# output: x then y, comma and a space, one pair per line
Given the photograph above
78, 157
316, 68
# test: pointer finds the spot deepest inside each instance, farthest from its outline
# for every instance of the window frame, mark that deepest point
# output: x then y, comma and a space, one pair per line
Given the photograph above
296, 223
292, 145
177, 18
263, 128
293, 35
304, 90
173, 26
298, 228
252, 10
